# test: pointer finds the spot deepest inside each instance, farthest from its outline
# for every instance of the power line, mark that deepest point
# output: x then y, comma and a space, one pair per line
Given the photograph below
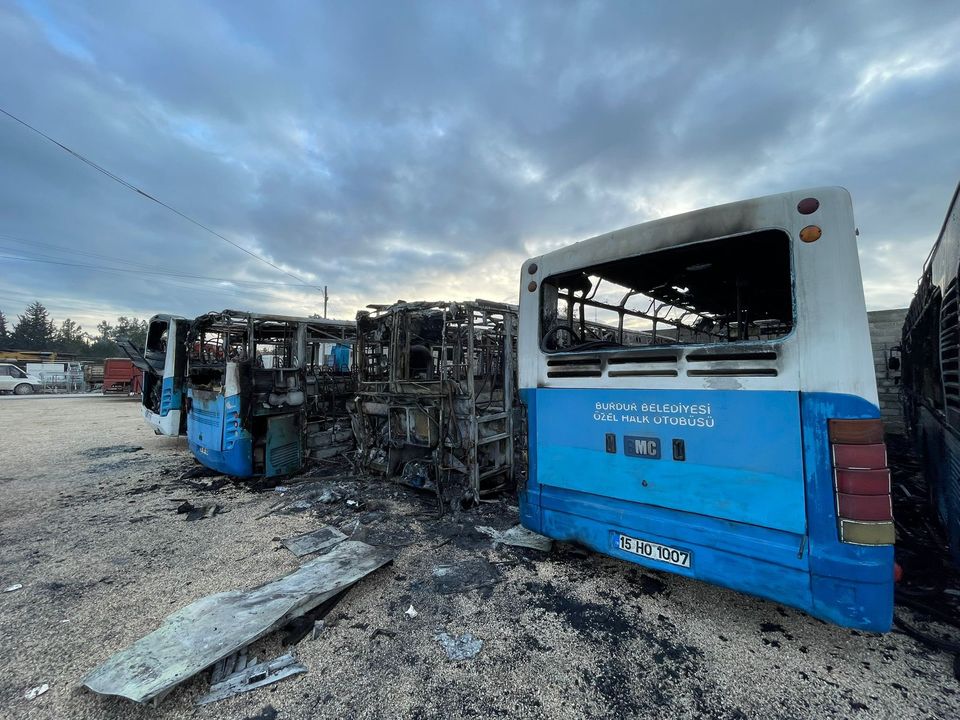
180, 282
148, 196
138, 268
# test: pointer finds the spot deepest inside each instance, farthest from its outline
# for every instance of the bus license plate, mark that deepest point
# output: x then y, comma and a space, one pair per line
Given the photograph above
654, 551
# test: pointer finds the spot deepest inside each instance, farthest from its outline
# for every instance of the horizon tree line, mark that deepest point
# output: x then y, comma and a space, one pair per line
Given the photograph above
36, 330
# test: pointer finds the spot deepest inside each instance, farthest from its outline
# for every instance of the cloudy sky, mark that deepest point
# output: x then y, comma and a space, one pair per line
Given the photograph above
423, 150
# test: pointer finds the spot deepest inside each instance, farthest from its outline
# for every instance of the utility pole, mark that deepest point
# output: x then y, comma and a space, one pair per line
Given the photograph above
324, 301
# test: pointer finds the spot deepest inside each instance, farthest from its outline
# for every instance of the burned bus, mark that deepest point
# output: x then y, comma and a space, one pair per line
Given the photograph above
740, 441
930, 378
263, 395
164, 363
436, 403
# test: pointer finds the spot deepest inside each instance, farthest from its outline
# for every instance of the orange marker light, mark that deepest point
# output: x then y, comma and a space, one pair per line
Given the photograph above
811, 233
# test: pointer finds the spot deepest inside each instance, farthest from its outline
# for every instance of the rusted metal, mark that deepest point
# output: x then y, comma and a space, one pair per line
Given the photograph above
436, 403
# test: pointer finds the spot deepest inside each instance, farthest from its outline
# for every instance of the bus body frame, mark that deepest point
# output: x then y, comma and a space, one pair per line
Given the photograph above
260, 398
723, 460
436, 401
930, 374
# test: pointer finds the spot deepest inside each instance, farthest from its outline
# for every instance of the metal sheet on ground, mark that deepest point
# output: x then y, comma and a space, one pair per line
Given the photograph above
212, 628
518, 536
315, 541
252, 677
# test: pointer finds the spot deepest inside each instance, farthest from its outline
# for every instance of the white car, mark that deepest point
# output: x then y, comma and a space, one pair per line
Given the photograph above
15, 380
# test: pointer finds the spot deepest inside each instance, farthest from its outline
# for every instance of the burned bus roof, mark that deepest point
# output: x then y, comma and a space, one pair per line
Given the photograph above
377, 310
228, 315
732, 218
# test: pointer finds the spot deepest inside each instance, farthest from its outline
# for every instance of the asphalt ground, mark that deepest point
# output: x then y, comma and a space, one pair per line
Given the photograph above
88, 526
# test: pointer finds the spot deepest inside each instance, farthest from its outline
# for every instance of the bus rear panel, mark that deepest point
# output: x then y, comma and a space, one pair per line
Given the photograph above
701, 399
165, 354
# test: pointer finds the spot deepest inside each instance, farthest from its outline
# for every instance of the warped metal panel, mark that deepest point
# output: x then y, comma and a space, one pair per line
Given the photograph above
214, 627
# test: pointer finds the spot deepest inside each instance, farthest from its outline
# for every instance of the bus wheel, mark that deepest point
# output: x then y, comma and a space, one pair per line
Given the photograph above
23, 389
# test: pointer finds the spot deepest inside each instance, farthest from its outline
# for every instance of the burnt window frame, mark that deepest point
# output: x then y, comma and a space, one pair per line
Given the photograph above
789, 243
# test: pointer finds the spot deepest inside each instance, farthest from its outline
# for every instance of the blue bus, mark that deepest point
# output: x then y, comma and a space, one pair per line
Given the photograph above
701, 399
262, 397
930, 374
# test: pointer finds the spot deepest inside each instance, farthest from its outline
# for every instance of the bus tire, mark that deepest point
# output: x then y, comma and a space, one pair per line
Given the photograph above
23, 389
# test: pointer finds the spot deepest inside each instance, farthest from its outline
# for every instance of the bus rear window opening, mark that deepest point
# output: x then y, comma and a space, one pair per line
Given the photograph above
734, 289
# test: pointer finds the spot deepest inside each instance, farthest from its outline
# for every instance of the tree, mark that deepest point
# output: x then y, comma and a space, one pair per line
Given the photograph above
4, 334
132, 329
71, 338
105, 329
34, 329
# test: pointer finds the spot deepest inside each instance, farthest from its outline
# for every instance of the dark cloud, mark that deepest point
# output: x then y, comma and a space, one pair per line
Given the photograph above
424, 149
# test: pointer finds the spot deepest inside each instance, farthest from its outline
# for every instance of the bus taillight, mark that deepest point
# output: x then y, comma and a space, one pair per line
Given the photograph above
861, 482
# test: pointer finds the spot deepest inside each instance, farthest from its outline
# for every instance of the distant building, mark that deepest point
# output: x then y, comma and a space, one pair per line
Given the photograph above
885, 329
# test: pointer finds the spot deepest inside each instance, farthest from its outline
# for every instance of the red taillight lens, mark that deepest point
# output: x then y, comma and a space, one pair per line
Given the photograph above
875, 508
860, 457
861, 482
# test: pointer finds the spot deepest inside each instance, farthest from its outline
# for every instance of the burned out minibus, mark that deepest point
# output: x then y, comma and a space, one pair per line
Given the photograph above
701, 399
163, 362
436, 404
262, 393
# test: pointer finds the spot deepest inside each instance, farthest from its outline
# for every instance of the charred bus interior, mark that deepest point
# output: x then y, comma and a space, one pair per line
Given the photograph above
733, 289
292, 401
436, 396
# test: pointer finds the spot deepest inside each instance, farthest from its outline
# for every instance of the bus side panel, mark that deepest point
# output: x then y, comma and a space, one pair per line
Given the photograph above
852, 584
215, 436
940, 449
529, 495
169, 398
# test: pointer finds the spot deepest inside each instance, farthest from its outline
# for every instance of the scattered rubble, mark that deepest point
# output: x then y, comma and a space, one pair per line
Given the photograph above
459, 648
198, 512
518, 536
313, 542
215, 627
254, 675
34, 693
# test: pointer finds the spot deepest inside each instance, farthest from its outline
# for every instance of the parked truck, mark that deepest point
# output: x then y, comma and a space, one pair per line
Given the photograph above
121, 376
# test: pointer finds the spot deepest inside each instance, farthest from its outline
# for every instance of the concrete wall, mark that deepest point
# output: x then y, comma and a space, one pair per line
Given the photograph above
885, 329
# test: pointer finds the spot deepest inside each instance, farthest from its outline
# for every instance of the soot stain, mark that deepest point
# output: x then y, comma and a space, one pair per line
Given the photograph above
609, 628
108, 450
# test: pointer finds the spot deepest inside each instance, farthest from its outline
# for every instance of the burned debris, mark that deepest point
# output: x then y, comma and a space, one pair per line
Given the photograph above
216, 627
436, 403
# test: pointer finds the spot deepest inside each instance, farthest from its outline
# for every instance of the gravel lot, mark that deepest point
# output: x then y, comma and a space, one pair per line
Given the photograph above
89, 527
